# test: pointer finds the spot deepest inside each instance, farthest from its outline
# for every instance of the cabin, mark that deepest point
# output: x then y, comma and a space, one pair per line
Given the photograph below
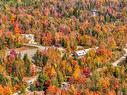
79, 53
29, 38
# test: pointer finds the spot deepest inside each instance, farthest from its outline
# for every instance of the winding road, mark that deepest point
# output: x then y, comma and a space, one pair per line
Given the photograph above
31, 52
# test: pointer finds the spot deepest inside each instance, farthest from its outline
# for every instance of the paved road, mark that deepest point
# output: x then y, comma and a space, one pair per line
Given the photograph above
31, 52
121, 59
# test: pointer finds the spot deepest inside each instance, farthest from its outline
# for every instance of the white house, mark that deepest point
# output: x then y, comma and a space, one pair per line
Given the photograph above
81, 53
30, 38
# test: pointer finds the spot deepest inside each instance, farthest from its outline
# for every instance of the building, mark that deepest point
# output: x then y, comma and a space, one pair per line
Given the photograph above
30, 38
81, 53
